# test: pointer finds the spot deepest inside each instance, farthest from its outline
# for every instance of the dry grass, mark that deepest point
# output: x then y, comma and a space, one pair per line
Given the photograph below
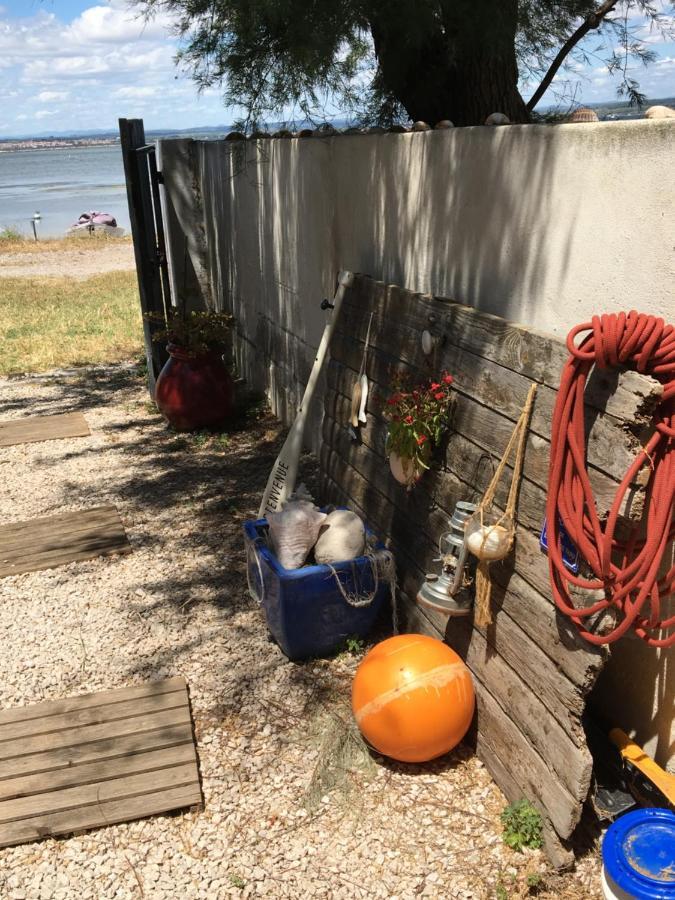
14, 242
48, 323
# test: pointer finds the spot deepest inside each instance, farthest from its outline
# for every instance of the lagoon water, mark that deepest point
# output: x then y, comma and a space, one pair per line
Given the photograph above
61, 184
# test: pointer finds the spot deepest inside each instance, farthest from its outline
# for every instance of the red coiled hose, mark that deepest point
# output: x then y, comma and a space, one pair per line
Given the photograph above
627, 571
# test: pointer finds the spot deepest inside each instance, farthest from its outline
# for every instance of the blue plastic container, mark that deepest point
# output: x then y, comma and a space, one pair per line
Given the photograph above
638, 855
306, 612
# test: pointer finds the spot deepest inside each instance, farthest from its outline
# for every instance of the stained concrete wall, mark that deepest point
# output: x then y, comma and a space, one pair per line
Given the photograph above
543, 225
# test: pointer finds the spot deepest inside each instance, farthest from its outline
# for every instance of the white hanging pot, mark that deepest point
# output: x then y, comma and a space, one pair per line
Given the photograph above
404, 469
489, 542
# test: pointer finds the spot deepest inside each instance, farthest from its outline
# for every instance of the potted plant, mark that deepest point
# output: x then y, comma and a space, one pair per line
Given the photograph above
194, 389
417, 416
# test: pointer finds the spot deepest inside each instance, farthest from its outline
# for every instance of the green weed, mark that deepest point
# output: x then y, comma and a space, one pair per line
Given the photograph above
522, 826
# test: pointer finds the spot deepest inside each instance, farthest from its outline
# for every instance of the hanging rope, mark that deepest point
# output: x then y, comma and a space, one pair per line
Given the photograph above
502, 529
630, 572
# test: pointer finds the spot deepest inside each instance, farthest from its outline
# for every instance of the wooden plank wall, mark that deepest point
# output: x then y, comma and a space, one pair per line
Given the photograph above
531, 671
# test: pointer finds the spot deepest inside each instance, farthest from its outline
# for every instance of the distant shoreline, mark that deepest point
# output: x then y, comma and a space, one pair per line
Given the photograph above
54, 144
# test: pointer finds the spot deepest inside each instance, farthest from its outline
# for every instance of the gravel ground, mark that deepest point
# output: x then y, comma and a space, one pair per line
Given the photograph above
77, 264
177, 605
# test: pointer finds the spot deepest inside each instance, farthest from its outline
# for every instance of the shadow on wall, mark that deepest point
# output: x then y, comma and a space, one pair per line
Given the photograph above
635, 692
465, 214
268, 223
475, 214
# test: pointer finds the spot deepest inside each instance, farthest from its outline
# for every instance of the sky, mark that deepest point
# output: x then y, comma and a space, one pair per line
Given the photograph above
70, 65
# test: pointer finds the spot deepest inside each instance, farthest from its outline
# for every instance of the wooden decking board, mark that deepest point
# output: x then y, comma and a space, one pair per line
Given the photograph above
84, 701
106, 749
66, 775
42, 428
102, 770
56, 540
64, 522
88, 733
100, 814
95, 715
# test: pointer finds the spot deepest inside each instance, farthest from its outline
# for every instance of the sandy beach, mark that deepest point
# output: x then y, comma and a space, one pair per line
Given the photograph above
55, 258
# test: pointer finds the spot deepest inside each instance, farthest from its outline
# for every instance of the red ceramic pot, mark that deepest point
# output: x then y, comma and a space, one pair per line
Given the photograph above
194, 392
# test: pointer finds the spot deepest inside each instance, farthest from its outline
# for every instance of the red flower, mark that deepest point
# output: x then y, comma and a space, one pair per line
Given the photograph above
448, 379
408, 420
421, 439
440, 395
434, 386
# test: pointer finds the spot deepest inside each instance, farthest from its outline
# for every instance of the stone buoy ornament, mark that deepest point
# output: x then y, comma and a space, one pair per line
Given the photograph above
413, 698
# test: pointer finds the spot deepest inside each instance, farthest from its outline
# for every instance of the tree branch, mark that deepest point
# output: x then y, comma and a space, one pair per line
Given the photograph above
591, 22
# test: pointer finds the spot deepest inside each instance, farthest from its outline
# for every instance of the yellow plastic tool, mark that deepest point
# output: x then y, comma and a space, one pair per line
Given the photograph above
637, 757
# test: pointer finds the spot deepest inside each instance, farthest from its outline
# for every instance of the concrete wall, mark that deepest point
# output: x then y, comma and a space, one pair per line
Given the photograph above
542, 225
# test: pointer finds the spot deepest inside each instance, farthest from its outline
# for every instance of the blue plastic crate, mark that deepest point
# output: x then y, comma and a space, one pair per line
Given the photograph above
306, 612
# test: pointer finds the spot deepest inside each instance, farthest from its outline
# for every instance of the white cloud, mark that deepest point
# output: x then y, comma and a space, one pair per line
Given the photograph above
49, 96
47, 113
133, 92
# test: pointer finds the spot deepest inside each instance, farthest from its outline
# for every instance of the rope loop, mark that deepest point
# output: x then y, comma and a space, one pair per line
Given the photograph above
634, 572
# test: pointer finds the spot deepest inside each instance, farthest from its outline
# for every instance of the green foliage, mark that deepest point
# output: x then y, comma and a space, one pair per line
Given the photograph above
534, 882
11, 234
383, 62
195, 332
500, 892
203, 440
354, 645
418, 416
522, 826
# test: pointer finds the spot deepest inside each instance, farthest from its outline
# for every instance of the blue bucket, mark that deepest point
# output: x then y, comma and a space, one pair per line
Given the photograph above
638, 855
307, 615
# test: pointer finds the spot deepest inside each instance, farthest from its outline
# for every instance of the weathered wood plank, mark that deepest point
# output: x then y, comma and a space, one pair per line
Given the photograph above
96, 792
571, 765
491, 431
90, 760
89, 733
60, 522
30, 541
102, 813
537, 356
498, 389
101, 770
43, 428
88, 533
108, 748
87, 701
464, 471
558, 850
93, 715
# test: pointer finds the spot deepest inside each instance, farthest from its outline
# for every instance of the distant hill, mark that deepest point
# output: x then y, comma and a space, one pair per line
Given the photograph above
608, 110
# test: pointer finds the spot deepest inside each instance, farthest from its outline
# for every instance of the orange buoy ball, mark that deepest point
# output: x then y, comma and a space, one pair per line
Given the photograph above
412, 698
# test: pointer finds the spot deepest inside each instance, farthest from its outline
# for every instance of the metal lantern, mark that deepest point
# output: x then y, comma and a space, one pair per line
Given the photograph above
449, 592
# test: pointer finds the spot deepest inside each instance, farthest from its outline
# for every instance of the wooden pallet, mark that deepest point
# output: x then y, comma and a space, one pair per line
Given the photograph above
42, 428
57, 540
97, 759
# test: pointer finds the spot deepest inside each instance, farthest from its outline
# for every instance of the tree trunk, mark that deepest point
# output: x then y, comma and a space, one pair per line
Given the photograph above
455, 60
